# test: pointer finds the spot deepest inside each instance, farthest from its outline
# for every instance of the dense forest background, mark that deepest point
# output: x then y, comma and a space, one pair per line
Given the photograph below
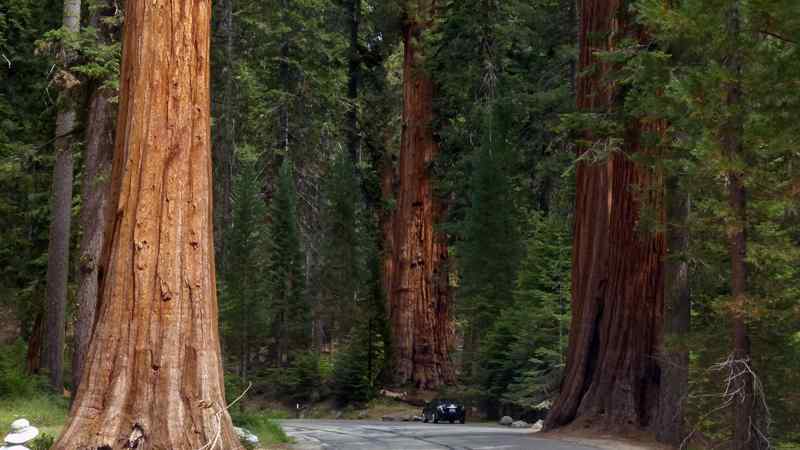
307, 123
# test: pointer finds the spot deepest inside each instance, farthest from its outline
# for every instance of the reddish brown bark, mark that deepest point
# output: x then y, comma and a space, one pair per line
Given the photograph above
416, 272
153, 374
34, 356
612, 378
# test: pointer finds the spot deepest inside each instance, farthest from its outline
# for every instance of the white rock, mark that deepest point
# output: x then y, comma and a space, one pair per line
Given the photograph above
506, 421
543, 406
537, 427
519, 424
246, 435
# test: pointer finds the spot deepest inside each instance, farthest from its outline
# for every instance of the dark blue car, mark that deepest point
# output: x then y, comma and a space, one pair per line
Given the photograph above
444, 410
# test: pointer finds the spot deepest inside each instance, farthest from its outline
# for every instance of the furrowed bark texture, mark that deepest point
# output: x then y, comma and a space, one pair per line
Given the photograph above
58, 246
153, 374
612, 376
94, 208
94, 204
419, 300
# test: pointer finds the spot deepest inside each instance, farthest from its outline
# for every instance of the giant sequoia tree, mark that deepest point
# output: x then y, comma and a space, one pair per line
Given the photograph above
153, 376
416, 277
612, 374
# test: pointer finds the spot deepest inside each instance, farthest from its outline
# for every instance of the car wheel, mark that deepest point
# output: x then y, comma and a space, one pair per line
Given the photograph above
462, 421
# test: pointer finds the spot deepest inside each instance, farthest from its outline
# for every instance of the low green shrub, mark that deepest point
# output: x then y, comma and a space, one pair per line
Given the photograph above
14, 382
43, 442
303, 381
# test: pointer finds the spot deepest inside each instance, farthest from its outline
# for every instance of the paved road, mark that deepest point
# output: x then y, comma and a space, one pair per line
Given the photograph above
369, 435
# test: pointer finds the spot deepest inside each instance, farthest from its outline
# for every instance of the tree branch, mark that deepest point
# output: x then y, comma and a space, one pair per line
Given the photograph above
777, 36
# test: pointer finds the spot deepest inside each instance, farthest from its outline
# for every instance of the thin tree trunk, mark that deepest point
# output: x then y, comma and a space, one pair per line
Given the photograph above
745, 419
94, 205
58, 247
283, 127
612, 377
153, 375
225, 131
419, 299
674, 356
387, 218
34, 355
353, 80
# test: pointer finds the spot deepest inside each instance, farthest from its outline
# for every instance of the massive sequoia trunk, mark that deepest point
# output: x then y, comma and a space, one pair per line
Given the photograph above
61, 214
416, 276
612, 375
94, 201
153, 375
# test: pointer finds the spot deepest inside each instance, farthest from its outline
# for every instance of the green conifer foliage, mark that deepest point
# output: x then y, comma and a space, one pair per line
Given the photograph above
26, 124
523, 354
289, 306
352, 301
682, 78
245, 314
489, 253
342, 274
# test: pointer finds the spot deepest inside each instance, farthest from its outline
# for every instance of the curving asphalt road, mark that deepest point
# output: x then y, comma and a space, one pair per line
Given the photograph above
371, 435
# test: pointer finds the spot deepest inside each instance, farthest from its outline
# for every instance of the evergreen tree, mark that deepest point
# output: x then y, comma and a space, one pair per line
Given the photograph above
289, 305
27, 120
244, 301
360, 365
342, 276
351, 288
524, 350
488, 253
748, 48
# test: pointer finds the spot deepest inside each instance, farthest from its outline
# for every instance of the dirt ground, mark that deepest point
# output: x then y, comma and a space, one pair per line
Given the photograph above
605, 440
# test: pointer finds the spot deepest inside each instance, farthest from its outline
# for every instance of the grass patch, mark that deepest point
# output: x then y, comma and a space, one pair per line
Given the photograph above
26, 396
46, 412
263, 425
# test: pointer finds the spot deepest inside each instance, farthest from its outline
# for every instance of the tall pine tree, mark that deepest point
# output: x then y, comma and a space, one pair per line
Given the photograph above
245, 315
289, 306
490, 234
